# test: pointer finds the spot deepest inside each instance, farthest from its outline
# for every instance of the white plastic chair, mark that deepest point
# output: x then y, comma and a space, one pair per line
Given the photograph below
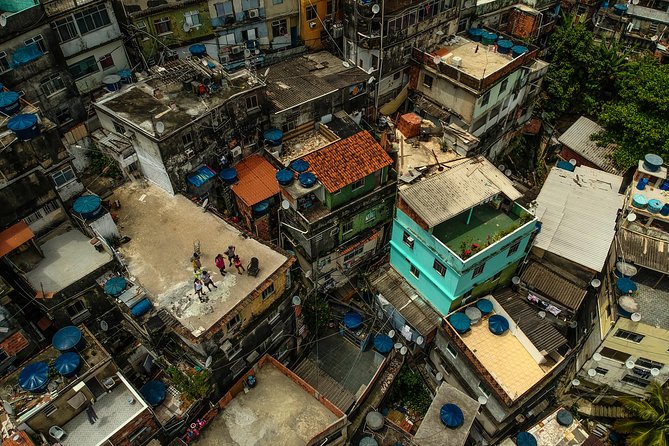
57, 433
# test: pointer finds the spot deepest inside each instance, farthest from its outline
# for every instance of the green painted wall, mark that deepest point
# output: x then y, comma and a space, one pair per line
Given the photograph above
380, 211
333, 201
177, 36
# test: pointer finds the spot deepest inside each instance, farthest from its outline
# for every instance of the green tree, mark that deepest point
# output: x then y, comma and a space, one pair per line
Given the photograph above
316, 313
649, 423
638, 120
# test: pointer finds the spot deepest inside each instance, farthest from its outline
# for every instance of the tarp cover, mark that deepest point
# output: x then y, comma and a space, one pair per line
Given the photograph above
498, 324
383, 343
66, 338
201, 176
526, 439
352, 320
26, 54
68, 364
484, 305
34, 377
154, 392
451, 415
460, 322
115, 286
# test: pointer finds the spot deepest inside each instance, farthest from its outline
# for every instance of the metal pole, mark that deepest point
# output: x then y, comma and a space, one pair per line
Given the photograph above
378, 81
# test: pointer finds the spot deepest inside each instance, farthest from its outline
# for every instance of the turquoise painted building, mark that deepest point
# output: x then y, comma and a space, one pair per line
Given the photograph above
459, 233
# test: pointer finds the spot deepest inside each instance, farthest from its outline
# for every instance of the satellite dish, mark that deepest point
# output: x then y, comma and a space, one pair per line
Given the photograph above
575, 382
515, 280
629, 364
597, 357
391, 334
636, 317
186, 27
482, 400
501, 167
376, 9
346, 64
297, 300
104, 326
592, 372
631, 217
256, 51
595, 283
654, 371
207, 364
573, 324
160, 127
403, 351
654, 38
3, 19
398, 345
420, 340
436, 60
542, 314
508, 172
573, 162
285, 205
247, 52
312, 25
439, 376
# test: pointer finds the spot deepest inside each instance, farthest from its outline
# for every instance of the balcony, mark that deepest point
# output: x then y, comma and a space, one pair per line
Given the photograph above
56, 7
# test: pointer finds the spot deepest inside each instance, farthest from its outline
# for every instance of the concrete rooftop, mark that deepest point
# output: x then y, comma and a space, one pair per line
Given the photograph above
476, 63
163, 230
68, 257
549, 432
276, 411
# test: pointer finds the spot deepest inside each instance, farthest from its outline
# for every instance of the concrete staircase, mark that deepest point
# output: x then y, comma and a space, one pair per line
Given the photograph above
325, 384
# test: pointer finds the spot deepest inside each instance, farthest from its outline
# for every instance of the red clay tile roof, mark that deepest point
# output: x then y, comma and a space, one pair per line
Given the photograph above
14, 343
257, 180
348, 160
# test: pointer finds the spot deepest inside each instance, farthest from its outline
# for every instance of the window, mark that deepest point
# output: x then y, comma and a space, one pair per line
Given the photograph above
628, 335
63, 176
92, 18
279, 28
251, 102
513, 248
84, 67
408, 240
614, 354
268, 291
397, 75
4, 62
63, 115
232, 323
65, 29
224, 9
502, 86
439, 267
347, 227
52, 84
351, 255
187, 139
371, 216
163, 26
291, 124
484, 390
118, 128
312, 14
479, 123
192, 18
277, 2
635, 381
141, 25
601, 370
453, 352
427, 80
649, 364
76, 310
106, 61
39, 41
485, 99
358, 184
414, 271
330, 7
478, 270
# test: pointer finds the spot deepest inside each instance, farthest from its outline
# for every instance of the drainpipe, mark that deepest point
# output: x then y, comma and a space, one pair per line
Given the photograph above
378, 82
469, 217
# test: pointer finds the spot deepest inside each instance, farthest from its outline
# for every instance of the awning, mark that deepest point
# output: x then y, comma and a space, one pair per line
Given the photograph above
26, 54
13, 237
392, 106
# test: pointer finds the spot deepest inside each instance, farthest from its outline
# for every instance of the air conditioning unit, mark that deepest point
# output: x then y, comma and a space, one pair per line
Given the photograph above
236, 152
253, 14
410, 240
225, 58
190, 153
237, 49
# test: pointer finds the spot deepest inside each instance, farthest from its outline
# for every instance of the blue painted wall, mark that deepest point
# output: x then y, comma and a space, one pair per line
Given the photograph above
444, 292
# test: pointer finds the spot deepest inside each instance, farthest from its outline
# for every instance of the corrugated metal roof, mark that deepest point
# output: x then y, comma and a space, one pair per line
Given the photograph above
578, 212
14, 236
577, 138
257, 180
445, 195
551, 284
643, 250
401, 295
301, 79
643, 12
540, 332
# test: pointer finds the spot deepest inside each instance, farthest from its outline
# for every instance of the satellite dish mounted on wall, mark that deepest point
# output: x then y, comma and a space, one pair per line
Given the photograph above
312, 25
186, 27
247, 53
436, 60
3, 19
160, 127
376, 8
104, 326
207, 364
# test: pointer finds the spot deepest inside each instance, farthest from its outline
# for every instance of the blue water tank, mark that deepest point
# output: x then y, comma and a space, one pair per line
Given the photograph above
141, 308
620, 9
307, 179
285, 177
261, 208
654, 206
126, 76
299, 166
69, 338
665, 210
642, 183
88, 206
504, 46
488, 38
24, 126
198, 50
639, 201
664, 185
112, 82
229, 175
68, 364
476, 34
518, 50
652, 162
274, 137
10, 102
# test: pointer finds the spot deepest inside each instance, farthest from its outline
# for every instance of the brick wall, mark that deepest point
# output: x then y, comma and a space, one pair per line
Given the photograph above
262, 227
404, 207
14, 344
567, 154
144, 419
522, 24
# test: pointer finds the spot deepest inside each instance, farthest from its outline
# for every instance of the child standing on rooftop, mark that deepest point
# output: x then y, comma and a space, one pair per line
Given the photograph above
199, 291
219, 261
238, 264
230, 253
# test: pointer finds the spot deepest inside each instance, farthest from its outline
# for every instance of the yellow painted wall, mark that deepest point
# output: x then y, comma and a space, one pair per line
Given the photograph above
312, 37
653, 346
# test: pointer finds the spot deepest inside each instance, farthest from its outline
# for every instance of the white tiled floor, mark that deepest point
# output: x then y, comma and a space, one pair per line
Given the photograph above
113, 411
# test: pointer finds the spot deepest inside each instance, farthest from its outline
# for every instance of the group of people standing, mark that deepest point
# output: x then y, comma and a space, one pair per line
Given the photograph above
203, 278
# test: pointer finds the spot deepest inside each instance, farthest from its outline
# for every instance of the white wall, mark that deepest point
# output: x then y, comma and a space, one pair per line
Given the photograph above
448, 94
93, 38
70, 190
389, 83
94, 81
